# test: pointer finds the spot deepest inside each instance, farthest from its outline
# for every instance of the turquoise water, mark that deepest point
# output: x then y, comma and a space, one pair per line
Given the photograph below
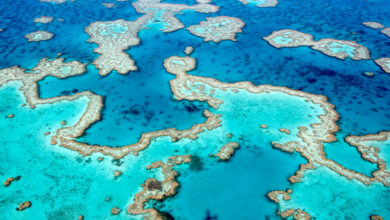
254, 169
220, 182
62, 184
256, 2
348, 156
282, 40
384, 151
82, 170
349, 199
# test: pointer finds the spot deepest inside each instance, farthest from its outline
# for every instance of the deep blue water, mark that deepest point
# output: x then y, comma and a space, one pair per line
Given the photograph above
142, 101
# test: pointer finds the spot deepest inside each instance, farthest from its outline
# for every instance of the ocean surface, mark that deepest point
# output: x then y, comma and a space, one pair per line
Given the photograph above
63, 184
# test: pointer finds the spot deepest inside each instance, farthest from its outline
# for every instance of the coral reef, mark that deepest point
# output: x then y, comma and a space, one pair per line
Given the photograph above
43, 19
39, 36
261, 3
218, 28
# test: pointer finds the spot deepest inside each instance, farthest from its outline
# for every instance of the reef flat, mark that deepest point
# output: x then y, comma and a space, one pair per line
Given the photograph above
373, 25
386, 31
289, 38
108, 5
55, 1
342, 49
43, 19
261, 3
39, 36
377, 25
384, 63
336, 48
113, 37
164, 13
217, 28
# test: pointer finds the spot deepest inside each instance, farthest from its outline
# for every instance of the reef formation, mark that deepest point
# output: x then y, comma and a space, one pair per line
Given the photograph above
376, 25
384, 63
154, 189
43, 19
261, 3
164, 13
386, 31
113, 37
305, 139
39, 36
336, 48
373, 25
218, 28
55, 1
